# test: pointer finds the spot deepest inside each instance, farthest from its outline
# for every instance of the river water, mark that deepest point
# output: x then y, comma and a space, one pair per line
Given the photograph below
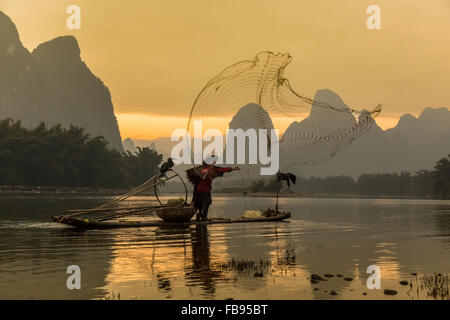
409, 240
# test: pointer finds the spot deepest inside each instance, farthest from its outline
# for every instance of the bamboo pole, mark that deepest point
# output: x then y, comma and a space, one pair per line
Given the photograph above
136, 190
107, 206
131, 213
109, 209
278, 192
124, 214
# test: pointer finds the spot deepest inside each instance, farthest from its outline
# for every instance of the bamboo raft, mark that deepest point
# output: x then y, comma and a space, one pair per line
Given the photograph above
176, 213
85, 223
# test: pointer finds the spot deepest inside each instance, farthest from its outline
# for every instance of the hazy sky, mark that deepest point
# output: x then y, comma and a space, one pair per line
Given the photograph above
156, 55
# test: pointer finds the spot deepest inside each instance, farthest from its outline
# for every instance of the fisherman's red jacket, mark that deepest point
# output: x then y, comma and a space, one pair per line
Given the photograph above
205, 185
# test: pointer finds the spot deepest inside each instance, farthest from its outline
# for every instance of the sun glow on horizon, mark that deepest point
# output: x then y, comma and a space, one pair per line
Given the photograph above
145, 126
191, 42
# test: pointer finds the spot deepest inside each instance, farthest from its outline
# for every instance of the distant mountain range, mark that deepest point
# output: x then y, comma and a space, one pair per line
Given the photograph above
53, 85
413, 144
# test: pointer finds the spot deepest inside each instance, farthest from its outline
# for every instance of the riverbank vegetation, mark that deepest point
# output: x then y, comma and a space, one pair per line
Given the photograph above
68, 157
422, 184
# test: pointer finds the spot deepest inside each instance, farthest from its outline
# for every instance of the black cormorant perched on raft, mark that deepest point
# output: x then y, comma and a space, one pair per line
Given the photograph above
288, 177
166, 166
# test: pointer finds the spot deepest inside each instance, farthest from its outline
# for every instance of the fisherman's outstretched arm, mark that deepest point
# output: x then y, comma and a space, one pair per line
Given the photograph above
226, 169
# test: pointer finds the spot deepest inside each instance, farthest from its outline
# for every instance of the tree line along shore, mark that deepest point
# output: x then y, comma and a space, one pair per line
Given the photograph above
68, 157
431, 184
68, 160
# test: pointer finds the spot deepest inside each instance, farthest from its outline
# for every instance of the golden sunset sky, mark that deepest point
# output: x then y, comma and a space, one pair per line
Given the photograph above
156, 55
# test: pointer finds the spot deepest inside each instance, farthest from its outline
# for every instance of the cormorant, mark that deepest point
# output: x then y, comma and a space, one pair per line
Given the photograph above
166, 166
286, 177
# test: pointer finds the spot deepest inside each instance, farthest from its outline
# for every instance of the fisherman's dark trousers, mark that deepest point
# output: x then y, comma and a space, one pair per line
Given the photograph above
202, 203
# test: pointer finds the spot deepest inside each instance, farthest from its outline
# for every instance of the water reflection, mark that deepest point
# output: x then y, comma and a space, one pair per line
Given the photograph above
242, 261
441, 218
201, 271
33, 265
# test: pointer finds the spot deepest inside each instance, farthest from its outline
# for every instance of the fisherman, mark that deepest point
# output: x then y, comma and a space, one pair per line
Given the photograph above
202, 178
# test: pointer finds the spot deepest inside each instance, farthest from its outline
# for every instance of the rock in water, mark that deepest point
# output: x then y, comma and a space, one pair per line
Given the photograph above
348, 279
316, 277
390, 292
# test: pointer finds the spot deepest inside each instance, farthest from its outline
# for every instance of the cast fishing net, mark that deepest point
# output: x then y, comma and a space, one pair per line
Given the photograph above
250, 93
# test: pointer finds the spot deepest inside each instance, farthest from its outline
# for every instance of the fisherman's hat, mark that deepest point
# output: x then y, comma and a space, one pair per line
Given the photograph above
211, 159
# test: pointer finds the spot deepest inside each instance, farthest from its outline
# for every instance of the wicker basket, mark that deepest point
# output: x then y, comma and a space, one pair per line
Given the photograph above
176, 214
